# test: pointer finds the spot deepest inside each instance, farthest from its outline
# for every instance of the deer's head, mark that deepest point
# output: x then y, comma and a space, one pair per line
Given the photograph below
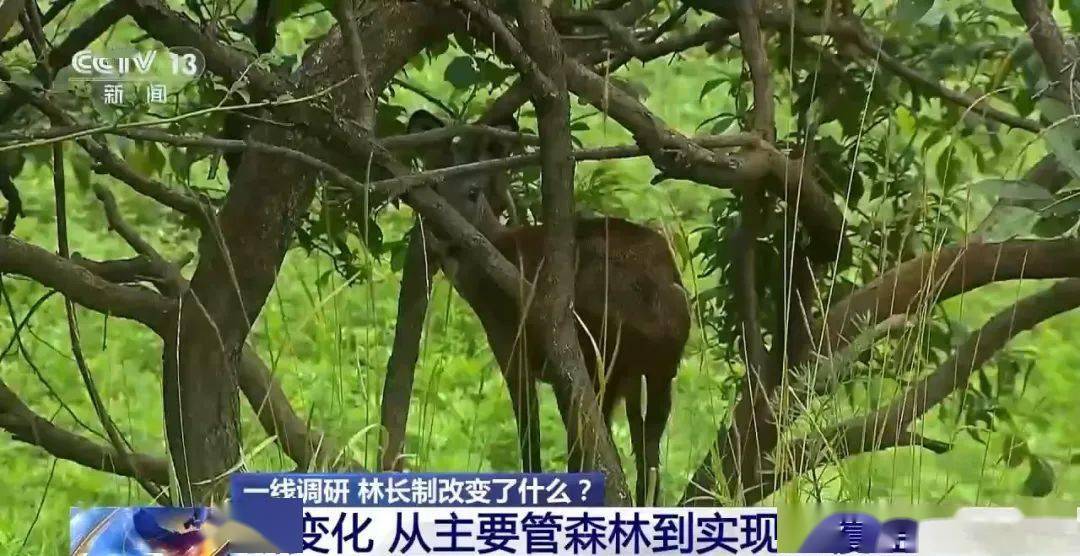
479, 198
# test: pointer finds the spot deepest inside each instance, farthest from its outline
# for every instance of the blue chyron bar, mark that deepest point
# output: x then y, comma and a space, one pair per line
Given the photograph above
454, 513
421, 513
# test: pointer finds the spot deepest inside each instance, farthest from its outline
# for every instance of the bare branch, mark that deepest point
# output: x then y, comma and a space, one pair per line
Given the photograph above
408, 329
344, 12
1057, 55
887, 426
29, 427
941, 274
216, 318
82, 286
14, 201
311, 449
978, 106
78, 39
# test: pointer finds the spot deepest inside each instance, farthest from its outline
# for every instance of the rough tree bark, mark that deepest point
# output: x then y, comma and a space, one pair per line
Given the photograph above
554, 319
237, 270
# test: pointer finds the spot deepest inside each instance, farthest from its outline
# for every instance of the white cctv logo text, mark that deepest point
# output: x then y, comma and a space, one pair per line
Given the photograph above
86, 63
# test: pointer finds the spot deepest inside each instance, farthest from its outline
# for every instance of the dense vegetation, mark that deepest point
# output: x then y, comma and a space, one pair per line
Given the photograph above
920, 130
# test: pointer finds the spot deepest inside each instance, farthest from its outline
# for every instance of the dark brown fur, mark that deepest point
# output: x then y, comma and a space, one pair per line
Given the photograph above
627, 293
629, 296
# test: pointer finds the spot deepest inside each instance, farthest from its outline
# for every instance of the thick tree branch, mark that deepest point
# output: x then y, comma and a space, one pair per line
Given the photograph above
11, 195
29, 427
887, 426
553, 318
412, 308
81, 285
1057, 55
345, 13
941, 274
265, 203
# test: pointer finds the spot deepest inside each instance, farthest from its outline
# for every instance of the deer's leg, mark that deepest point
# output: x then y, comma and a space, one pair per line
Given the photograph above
564, 398
523, 396
657, 410
636, 421
515, 363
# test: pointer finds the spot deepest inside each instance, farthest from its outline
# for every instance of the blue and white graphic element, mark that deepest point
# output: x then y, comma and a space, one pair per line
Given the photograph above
139, 531
858, 533
995, 531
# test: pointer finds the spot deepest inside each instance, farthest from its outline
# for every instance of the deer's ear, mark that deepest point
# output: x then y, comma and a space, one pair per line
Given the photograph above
434, 155
422, 120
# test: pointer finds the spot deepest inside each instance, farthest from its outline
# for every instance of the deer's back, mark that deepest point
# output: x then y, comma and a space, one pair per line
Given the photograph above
625, 273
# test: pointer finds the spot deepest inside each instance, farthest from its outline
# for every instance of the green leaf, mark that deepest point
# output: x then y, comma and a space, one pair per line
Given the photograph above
1064, 142
492, 73
1063, 138
462, 72
1014, 451
1063, 204
948, 168
710, 85
911, 11
1040, 480
1049, 227
1012, 189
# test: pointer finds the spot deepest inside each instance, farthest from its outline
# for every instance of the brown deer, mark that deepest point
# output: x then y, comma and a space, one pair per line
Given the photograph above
633, 318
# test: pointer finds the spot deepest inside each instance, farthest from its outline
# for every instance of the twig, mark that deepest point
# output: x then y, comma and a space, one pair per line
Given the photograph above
116, 438
343, 11
506, 39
